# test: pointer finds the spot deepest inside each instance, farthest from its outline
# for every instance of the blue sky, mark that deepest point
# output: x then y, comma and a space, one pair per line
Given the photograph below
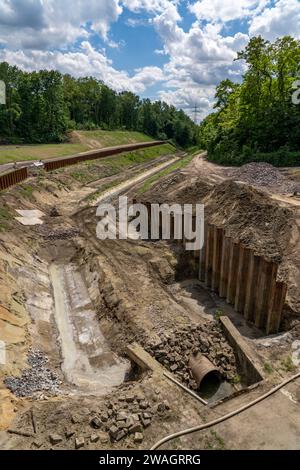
175, 50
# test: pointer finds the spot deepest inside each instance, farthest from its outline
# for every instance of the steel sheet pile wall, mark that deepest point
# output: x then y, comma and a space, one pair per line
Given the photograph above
13, 177
56, 163
247, 281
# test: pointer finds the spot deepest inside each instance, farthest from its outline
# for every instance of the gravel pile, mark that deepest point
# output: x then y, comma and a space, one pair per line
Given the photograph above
263, 175
174, 351
58, 234
38, 377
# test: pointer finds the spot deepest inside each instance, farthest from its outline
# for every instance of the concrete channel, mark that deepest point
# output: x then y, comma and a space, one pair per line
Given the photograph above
88, 362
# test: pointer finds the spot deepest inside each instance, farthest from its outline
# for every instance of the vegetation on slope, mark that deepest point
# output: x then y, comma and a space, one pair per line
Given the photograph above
82, 141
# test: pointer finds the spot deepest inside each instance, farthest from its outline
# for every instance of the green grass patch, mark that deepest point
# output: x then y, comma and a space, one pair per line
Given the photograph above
236, 379
183, 162
268, 368
13, 153
88, 140
117, 164
288, 365
138, 156
27, 191
5, 218
111, 138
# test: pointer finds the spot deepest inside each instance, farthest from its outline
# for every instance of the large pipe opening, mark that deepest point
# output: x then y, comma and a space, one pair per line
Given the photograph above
206, 375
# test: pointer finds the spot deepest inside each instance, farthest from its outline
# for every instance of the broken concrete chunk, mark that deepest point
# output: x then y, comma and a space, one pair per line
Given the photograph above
79, 442
122, 424
94, 438
144, 405
104, 417
120, 435
37, 444
69, 434
55, 439
145, 422
113, 431
138, 437
96, 423
122, 416
137, 427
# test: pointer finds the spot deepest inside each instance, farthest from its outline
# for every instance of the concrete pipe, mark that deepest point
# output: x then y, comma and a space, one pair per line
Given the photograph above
203, 370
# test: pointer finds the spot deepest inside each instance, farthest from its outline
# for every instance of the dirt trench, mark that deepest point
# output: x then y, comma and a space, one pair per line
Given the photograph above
83, 302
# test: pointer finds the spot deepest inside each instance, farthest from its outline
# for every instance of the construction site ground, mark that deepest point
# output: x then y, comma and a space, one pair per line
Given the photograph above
71, 304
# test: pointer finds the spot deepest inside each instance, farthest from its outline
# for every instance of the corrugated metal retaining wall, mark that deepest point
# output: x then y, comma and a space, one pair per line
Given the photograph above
56, 163
13, 177
247, 281
236, 273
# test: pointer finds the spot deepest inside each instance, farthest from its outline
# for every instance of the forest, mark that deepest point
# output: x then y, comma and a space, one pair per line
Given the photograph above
41, 107
256, 120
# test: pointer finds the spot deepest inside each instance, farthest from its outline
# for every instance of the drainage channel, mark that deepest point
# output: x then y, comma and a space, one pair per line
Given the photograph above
88, 362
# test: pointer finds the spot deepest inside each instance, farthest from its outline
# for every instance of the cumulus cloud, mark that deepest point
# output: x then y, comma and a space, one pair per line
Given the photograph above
189, 97
56, 34
38, 24
198, 60
226, 10
149, 5
280, 20
87, 61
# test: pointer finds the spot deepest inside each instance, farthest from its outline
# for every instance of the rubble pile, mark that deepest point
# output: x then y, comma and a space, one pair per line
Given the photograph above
127, 415
263, 175
38, 377
174, 351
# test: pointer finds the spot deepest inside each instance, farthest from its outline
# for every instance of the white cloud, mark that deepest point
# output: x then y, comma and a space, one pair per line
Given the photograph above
46, 33
187, 98
148, 5
85, 62
38, 24
280, 20
199, 59
226, 10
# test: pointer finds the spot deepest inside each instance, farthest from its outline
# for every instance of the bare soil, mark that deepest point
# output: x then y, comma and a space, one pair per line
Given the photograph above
81, 302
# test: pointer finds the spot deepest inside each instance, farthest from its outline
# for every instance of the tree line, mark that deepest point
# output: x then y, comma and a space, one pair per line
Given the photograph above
43, 106
256, 120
